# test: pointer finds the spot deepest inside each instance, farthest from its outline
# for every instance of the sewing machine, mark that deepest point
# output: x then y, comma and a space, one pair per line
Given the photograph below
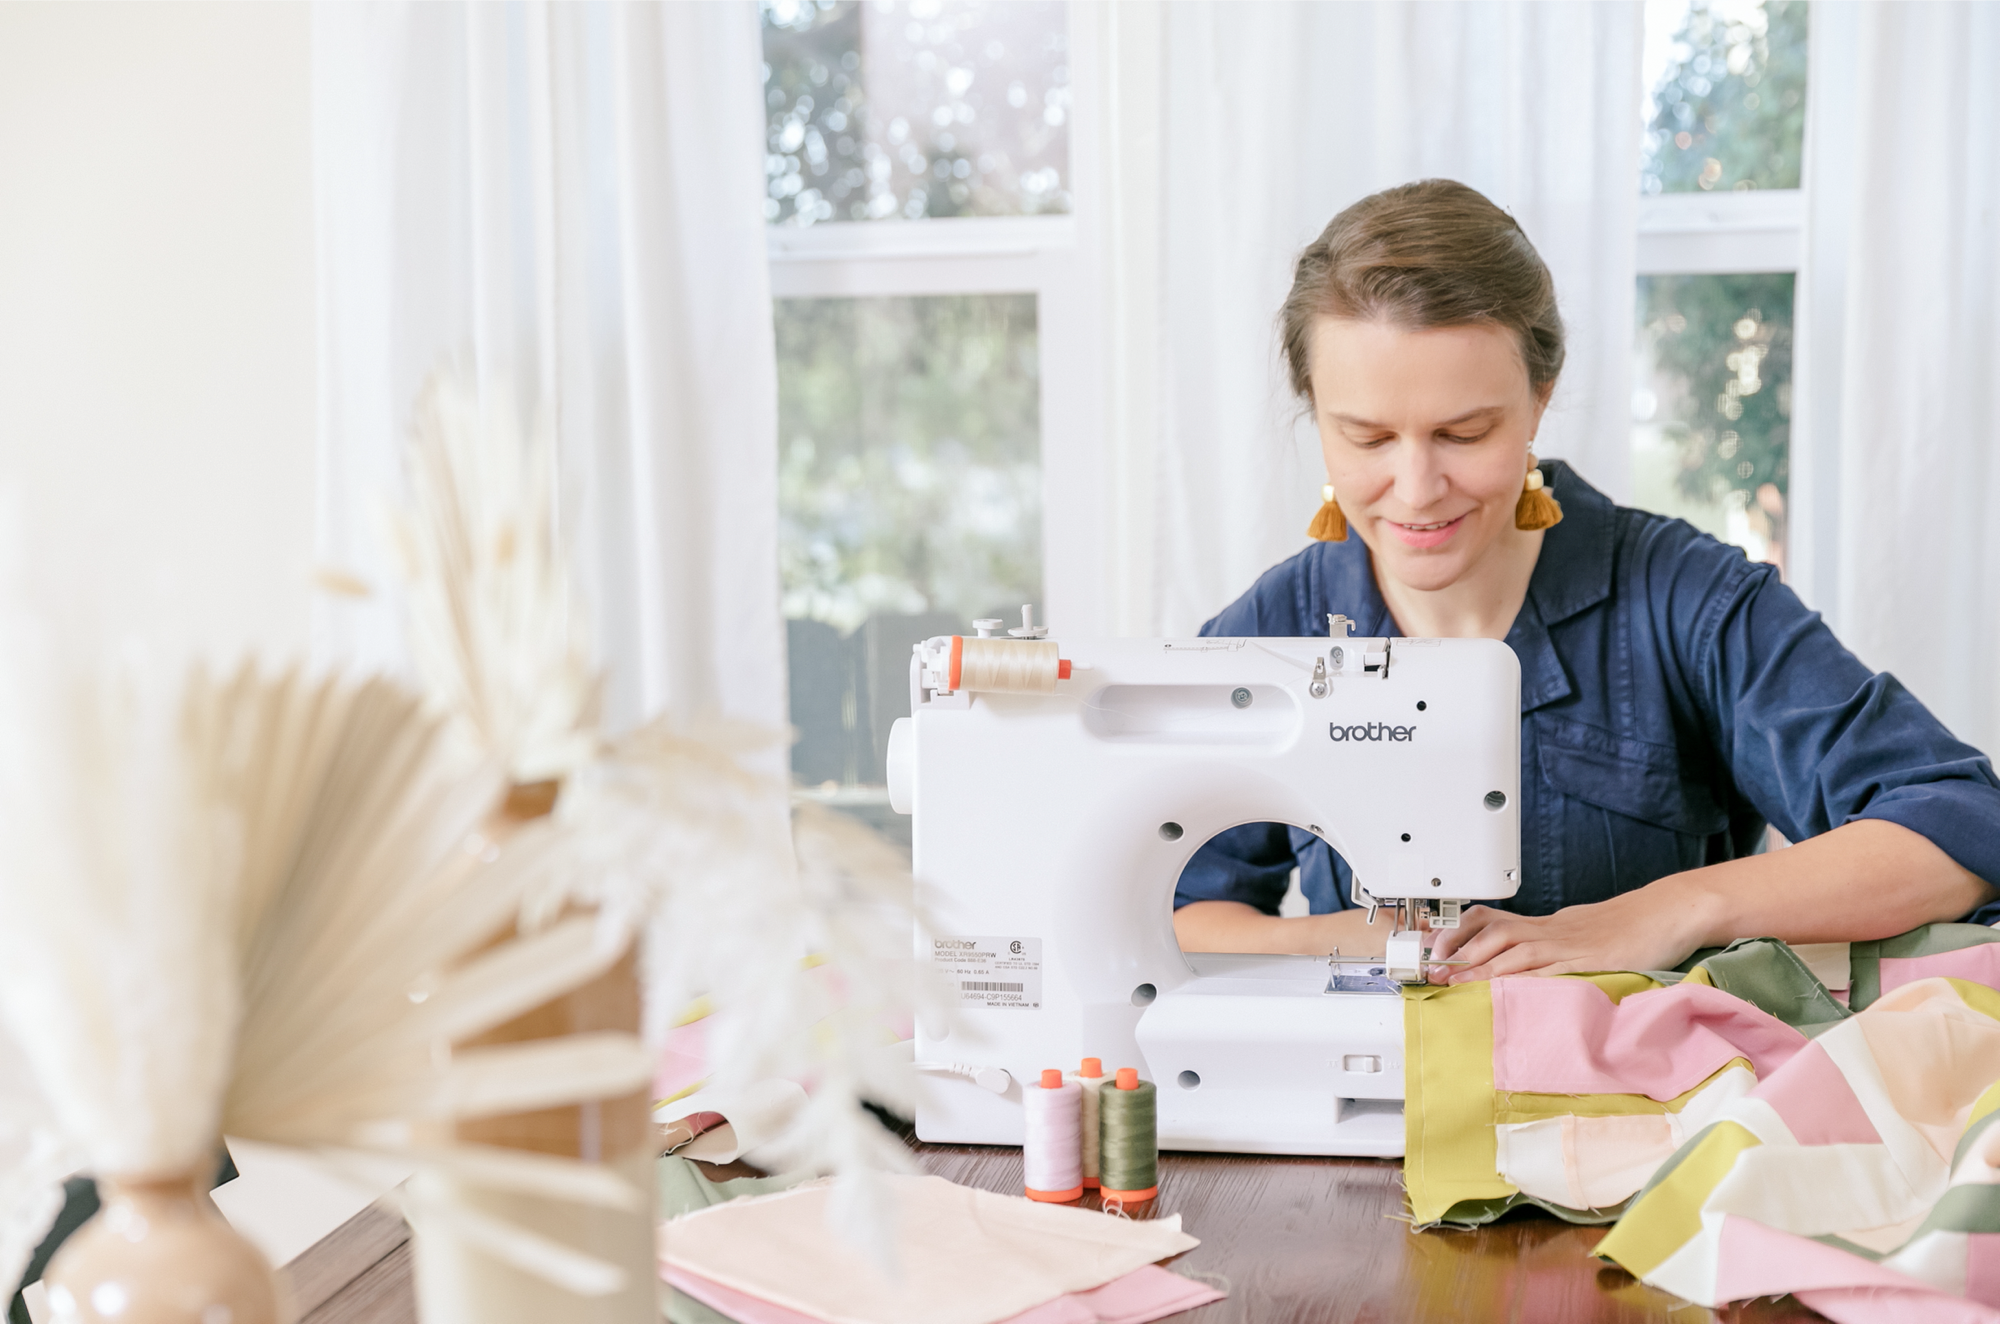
1058, 790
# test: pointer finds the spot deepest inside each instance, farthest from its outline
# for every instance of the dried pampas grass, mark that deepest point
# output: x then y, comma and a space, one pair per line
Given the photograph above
118, 881
798, 932
498, 635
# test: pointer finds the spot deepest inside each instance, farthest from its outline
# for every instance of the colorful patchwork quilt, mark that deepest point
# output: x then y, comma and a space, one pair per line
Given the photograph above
1766, 1121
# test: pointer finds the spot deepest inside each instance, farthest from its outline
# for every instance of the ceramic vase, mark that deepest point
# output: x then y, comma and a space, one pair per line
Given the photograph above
158, 1252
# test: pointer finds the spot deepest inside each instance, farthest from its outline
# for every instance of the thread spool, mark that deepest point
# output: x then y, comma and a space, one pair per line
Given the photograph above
1031, 666
1091, 1078
1052, 1151
1129, 1140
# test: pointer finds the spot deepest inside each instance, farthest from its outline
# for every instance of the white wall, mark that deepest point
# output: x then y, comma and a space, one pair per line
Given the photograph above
156, 315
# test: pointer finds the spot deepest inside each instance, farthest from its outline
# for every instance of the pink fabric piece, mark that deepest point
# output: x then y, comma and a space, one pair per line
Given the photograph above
1566, 1036
1813, 1097
1881, 1305
1982, 1267
1139, 1297
1979, 964
683, 1059
1755, 1259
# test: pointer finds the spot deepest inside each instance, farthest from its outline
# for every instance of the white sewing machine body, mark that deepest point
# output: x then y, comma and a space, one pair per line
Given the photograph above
1050, 830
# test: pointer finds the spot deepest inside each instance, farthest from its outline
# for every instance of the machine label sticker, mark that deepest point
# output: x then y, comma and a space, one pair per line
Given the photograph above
995, 973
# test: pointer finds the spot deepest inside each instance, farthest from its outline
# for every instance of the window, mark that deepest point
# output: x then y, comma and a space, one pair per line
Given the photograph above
932, 346
1720, 213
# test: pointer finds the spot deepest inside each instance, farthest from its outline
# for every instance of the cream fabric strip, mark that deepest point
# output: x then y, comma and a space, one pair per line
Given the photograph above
964, 1256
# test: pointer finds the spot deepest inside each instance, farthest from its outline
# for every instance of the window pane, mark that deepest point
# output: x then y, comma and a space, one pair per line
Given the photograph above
909, 500
1711, 428
927, 108
1726, 101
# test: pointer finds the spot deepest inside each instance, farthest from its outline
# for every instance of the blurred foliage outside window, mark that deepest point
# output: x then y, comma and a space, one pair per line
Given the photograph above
1725, 110
1712, 412
1726, 106
909, 500
921, 108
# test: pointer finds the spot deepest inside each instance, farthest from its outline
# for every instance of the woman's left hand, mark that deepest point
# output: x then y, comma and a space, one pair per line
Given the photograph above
1635, 931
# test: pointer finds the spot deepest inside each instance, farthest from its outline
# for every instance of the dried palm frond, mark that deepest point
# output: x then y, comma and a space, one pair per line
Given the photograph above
498, 634
372, 950
265, 906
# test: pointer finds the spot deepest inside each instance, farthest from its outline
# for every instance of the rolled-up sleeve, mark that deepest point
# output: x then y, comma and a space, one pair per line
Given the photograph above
1252, 864
1816, 740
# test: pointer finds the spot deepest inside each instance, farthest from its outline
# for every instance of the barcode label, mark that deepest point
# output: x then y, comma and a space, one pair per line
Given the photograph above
992, 974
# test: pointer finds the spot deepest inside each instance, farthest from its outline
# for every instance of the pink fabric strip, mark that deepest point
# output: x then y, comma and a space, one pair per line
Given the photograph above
1755, 1259
1139, 1297
1979, 964
1982, 1267
1566, 1036
1816, 1102
1881, 1305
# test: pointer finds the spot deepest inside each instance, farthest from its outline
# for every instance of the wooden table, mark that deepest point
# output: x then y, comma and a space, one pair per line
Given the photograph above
1322, 1241
1298, 1240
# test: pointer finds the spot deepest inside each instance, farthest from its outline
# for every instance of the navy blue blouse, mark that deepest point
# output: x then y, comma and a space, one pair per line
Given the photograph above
1675, 697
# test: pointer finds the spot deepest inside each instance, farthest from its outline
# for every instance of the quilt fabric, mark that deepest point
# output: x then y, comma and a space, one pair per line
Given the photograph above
1750, 1135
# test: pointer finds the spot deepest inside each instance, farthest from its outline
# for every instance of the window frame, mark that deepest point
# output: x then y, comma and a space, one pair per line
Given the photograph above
1056, 258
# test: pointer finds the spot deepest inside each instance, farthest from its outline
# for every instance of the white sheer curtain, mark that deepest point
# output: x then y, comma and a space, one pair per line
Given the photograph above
1903, 355
567, 201
1234, 133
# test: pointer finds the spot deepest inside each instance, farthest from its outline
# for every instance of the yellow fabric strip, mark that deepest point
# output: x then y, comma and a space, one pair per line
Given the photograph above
1699, 975
1520, 1107
1667, 1217
1620, 984
1987, 1104
1450, 1152
1976, 996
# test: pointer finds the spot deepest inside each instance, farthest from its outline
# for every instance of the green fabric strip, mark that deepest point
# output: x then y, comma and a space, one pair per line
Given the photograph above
1864, 958
1468, 1214
1770, 977
1973, 1207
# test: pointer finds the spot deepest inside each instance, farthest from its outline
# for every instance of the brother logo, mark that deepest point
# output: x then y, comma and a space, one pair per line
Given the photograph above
1370, 731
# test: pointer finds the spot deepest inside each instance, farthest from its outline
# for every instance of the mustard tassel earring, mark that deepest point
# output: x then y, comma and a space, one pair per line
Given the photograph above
1330, 525
1536, 509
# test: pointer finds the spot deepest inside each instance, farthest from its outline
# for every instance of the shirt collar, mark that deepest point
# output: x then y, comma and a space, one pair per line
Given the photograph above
1573, 572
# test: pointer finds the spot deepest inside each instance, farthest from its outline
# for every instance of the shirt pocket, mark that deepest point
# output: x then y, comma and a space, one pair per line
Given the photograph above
1627, 813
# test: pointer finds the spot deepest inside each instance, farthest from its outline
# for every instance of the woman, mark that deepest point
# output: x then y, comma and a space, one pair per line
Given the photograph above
1675, 697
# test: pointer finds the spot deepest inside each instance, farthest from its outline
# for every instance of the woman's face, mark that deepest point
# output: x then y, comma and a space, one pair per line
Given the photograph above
1426, 437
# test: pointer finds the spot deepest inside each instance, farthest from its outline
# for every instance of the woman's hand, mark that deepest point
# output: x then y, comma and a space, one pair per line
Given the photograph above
1648, 929
1866, 879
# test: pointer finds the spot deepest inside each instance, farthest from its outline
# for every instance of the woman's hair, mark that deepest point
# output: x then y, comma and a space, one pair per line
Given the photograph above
1430, 254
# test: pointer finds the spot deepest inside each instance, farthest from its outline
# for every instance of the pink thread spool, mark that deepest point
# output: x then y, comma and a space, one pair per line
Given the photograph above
1052, 1149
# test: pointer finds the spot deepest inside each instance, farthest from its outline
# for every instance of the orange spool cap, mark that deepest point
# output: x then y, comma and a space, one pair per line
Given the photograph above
1093, 1067
1128, 1078
1051, 1078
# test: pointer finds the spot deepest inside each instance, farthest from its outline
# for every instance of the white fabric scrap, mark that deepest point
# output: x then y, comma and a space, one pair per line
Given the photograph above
965, 1256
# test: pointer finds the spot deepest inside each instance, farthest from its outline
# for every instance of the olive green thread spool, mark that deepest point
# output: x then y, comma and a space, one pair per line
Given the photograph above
1128, 1151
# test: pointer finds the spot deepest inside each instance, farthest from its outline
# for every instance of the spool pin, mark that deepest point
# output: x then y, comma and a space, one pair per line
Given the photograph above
1052, 1148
